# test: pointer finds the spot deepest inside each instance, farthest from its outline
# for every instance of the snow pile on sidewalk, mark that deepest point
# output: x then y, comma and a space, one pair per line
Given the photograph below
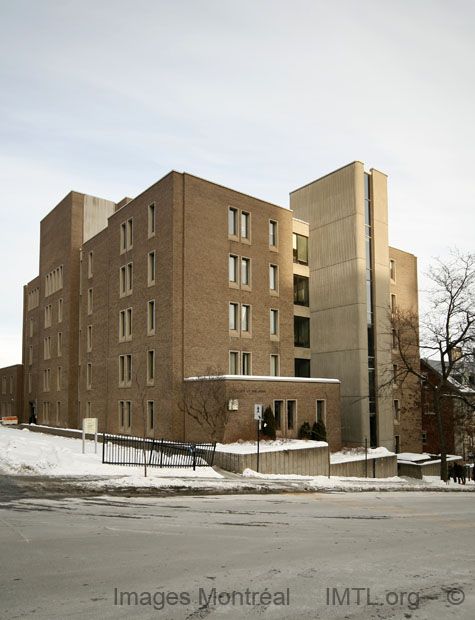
358, 454
24, 452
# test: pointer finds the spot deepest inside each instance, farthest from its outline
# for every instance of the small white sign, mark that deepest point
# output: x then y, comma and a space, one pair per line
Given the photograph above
258, 412
233, 404
89, 425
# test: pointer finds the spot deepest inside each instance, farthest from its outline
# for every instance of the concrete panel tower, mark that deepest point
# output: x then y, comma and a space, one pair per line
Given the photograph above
349, 294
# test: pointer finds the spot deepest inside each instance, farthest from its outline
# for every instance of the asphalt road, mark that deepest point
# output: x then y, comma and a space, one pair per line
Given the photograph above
342, 555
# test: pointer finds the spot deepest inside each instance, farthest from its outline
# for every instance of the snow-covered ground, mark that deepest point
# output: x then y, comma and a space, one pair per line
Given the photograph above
29, 453
358, 454
25, 452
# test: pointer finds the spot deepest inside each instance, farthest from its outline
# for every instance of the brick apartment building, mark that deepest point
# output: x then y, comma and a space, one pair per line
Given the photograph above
135, 299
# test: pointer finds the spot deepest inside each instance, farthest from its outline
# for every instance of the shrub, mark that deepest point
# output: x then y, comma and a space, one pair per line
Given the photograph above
305, 432
268, 424
319, 432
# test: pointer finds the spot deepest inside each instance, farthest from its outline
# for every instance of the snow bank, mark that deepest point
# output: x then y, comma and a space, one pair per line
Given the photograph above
358, 454
266, 445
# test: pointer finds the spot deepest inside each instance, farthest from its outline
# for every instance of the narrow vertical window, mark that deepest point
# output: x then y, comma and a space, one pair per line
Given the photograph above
246, 272
233, 362
151, 220
396, 409
274, 322
123, 280
151, 317
58, 378
130, 233
233, 268
245, 225
90, 259
60, 310
123, 237
245, 318
151, 415
150, 367
246, 364
392, 270
232, 222
273, 278
89, 337
129, 277
151, 268
291, 409
89, 301
89, 376
274, 365
128, 321
320, 413
233, 317
272, 234
278, 407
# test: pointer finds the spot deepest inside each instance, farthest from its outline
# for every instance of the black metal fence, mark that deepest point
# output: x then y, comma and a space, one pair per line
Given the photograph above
127, 450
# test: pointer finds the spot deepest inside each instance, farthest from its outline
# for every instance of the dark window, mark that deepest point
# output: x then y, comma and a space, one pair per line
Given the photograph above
302, 367
300, 246
301, 291
278, 404
301, 331
290, 414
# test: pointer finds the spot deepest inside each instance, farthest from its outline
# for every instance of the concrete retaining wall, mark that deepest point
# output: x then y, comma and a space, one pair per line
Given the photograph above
380, 467
304, 462
413, 470
61, 432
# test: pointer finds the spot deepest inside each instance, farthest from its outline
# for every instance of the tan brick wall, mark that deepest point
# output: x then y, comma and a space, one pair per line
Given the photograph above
11, 391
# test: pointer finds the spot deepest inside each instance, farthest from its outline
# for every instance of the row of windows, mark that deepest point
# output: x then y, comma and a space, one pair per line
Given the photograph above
239, 227
4, 384
240, 363
125, 369
127, 230
241, 322
125, 415
49, 315
47, 346
54, 281
47, 379
34, 298
47, 411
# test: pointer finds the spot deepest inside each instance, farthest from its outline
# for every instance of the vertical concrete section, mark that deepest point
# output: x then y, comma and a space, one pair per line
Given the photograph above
381, 299
96, 213
333, 206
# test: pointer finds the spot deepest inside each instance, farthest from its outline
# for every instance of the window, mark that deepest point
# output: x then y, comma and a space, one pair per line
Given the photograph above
424, 437
125, 325
272, 234
273, 278
4, 385
48, 315
245, 271
89, 337
233, 317
246, 364
89, 376
232, 222
301, 291
30, 382
126, 272
394, 338
302, 367
58, 412
125, 370
233, 362
151, 317
396, 410
60, 344
46, 413
278, 407
151, 415
90, 259
245, 319
46, 379
30, 354
291, 409
150, 367
397, 444
392, 270
151, 220
125, 415
59, 377
245, 226
321, 413
47, 348
394, 375
393, 303
274, 365
151, 268
126, 235
233, 268
300, 249
301, 331
31, 328
274, 323
89, 301
60, 310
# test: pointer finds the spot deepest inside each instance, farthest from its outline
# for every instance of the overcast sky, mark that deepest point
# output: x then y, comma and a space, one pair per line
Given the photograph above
263, 96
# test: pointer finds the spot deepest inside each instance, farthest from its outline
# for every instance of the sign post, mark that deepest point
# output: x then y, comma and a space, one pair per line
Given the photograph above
258, 415
89, 426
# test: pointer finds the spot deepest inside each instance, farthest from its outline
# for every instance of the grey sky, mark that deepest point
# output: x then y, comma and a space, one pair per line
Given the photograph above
263, 96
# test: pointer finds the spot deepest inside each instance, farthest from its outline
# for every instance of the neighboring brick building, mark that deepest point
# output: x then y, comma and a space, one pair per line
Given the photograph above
191, 279
458, 420
11, 391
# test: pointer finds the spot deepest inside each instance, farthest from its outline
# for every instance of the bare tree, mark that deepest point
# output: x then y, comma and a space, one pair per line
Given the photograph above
447, 335
206, 400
